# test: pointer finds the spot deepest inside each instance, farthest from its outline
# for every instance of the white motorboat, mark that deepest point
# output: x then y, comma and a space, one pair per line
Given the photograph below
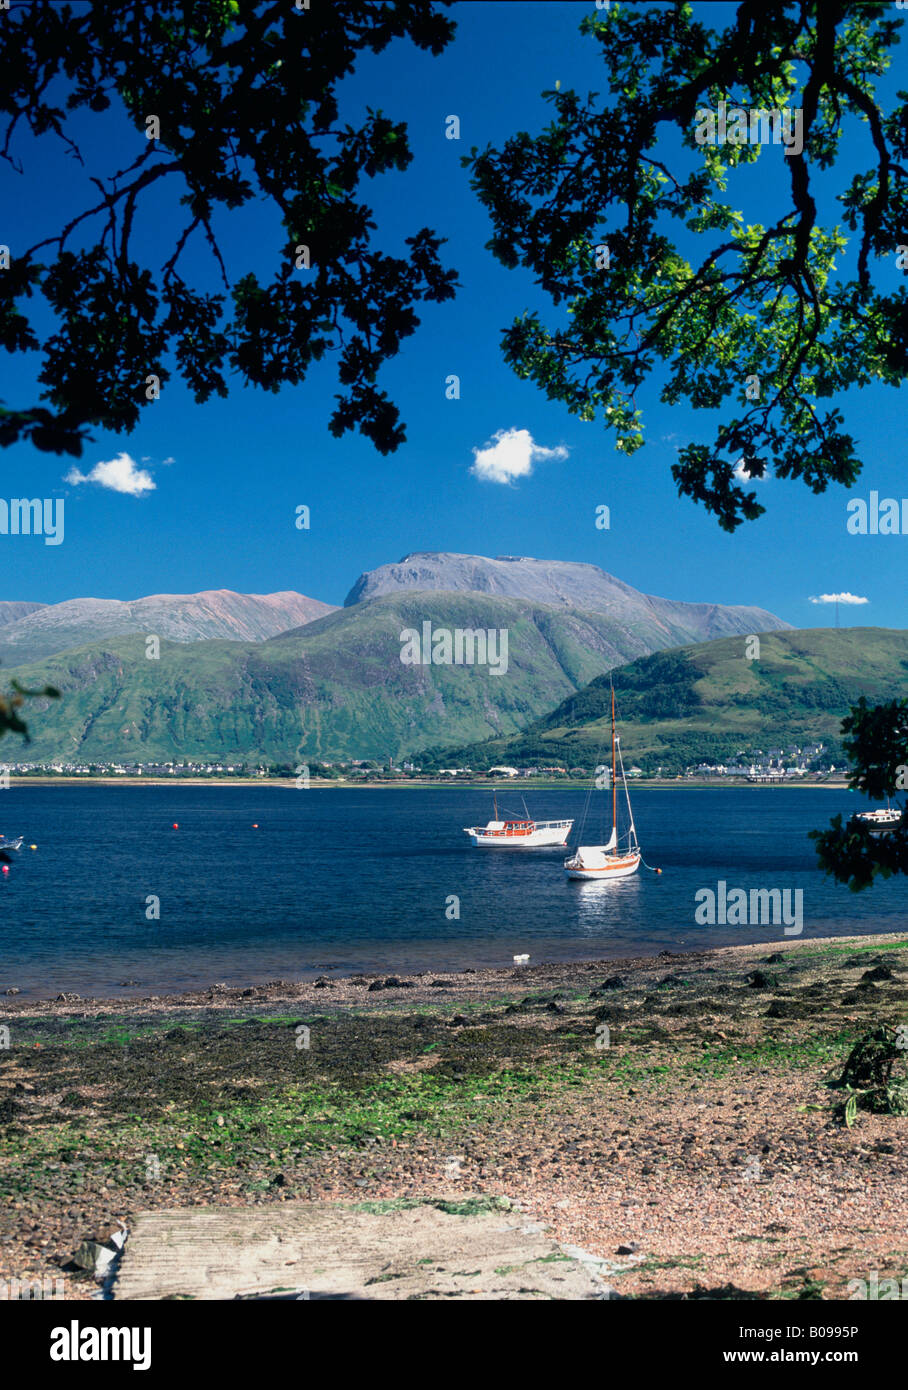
882, 821
525, 833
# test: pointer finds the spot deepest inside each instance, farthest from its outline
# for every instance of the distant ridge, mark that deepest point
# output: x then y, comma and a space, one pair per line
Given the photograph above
11, 610
709, 703
44, 629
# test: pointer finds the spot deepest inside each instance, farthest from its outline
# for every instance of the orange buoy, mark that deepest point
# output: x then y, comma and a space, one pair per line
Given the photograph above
175, 826
255, 825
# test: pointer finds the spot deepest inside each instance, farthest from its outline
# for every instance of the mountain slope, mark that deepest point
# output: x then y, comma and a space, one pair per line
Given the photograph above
216, 613
708, 702
335, 688
11, 610
657, 622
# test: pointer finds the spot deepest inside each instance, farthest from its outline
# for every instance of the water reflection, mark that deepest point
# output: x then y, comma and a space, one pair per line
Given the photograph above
601, 907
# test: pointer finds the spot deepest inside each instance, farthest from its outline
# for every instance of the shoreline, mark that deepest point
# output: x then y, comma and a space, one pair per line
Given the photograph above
416, 988
330, 784
669, 1114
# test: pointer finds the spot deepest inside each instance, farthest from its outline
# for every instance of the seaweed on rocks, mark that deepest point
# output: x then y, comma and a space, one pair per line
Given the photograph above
867, 1076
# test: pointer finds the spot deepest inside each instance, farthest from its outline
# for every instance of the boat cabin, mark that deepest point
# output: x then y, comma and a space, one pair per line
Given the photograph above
510, 827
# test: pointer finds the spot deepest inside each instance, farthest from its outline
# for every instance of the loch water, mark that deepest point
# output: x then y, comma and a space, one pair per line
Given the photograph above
362, 879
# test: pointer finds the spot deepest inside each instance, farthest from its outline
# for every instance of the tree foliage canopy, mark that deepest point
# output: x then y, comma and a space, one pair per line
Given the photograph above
876, 743
11, 702
763, 301
691, 293
246, 98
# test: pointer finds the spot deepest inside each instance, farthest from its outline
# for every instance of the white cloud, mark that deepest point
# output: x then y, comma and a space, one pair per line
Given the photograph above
121, 474
839, 598
745, 477
511, 454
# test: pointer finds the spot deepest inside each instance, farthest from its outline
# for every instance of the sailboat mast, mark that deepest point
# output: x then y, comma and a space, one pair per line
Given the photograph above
614, 780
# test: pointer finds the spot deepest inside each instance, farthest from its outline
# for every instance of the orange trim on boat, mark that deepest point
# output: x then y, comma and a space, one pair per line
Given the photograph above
606, 868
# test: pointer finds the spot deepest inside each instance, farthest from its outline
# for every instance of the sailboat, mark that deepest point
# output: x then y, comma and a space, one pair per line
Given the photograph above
607, 862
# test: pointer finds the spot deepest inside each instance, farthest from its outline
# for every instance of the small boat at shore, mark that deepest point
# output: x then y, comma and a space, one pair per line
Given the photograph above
609, 861
519, 834
11, 844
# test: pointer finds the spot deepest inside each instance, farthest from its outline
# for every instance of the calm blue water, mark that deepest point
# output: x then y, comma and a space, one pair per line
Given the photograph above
358, 880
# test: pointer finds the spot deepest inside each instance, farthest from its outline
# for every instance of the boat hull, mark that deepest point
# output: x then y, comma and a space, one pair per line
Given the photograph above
617, 866
11, 844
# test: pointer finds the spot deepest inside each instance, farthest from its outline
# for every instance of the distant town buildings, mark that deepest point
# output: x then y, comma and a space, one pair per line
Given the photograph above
776, 765
753, 765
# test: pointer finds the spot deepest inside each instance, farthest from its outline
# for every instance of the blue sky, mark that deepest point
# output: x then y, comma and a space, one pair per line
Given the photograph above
221, 514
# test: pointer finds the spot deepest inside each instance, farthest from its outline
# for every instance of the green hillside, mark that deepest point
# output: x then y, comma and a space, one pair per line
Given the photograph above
706, 702
335, 688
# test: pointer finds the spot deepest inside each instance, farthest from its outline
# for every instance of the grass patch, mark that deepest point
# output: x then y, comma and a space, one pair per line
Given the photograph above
803, 952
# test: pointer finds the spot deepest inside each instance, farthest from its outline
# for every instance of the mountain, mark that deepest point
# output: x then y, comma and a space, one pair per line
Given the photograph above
10, 612
335, 688
653, 622
708, 702
40, 630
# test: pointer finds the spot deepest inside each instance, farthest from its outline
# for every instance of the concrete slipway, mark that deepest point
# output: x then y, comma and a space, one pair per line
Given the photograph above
465, 1248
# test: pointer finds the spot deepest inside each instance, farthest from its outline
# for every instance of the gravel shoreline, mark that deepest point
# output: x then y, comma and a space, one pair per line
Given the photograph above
700, 1152
415, 989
